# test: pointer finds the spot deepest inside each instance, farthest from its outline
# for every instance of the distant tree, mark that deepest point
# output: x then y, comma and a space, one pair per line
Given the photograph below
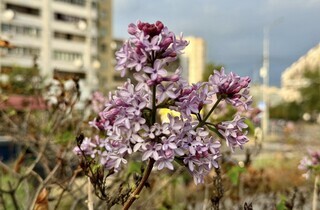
22, 80
287, 111
209, 69
311, 93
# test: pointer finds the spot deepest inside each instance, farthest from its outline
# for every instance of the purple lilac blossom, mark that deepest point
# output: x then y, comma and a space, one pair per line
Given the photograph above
233, 88
87, 147
233, 132
149, 43
124, 119
310, 163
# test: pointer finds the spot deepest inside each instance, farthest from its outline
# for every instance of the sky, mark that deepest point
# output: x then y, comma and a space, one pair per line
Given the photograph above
233, 30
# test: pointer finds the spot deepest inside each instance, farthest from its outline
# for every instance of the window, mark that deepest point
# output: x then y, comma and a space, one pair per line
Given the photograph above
66, 56
24, 51
22, 30
23, 9
94, 5
103, 48
67, 18
5, 28
76, 2
71, 37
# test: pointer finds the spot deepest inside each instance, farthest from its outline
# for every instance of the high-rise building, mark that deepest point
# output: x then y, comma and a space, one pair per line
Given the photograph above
105, 45
67, 38
193, 60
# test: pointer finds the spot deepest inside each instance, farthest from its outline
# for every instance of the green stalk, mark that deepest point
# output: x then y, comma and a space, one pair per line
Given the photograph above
203, 122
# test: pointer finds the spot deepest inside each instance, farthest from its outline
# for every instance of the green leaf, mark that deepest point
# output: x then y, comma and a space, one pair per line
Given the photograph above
282, 204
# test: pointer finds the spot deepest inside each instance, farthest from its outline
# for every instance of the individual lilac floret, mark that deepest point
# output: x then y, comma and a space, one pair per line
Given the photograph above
234, 133
233, 88
156, 71
87, 147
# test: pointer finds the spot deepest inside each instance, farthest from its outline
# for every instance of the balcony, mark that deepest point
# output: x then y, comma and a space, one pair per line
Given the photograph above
67, 27
21, 40
14, 60
70, 9
25, 19
66, 45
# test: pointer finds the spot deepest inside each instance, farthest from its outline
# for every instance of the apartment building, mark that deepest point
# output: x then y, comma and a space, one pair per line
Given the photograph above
66, 38
292, 78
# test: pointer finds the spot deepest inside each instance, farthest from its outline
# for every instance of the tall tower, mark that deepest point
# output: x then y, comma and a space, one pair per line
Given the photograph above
194, 59
105, 44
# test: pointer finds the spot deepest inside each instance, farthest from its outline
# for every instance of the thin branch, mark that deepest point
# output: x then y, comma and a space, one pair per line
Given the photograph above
142, 183
218, 189
3, 201
8, 169
9, 120
41, 186
201, 123
12, 195
65, 189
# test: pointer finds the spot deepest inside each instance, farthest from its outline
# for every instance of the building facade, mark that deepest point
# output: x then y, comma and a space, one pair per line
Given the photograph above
292, 77
193, 60
65, 38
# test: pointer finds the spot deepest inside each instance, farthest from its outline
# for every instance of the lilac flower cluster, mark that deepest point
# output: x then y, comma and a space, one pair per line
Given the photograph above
234, 132
128, 120
310, 163
232, 87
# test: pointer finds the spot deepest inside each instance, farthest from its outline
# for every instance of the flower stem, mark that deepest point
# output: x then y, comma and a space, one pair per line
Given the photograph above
143, 181
201, 123
148, 170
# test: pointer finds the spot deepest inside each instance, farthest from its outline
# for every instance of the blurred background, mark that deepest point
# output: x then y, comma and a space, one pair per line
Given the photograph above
275, 43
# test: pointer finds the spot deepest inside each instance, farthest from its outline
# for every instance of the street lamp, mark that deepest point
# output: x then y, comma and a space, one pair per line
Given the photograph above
264, 73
